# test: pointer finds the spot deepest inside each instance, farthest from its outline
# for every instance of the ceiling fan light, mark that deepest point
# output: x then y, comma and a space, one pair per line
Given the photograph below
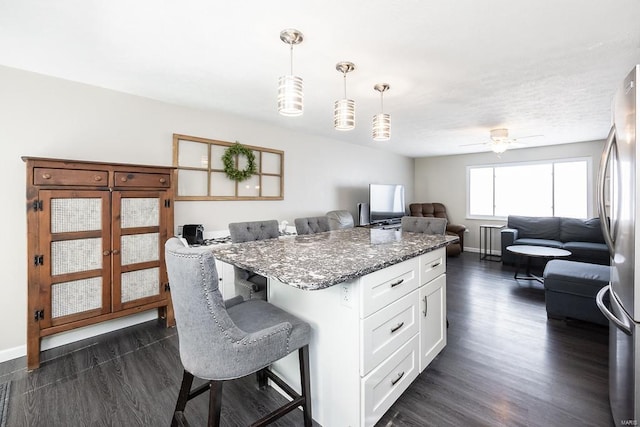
499, 147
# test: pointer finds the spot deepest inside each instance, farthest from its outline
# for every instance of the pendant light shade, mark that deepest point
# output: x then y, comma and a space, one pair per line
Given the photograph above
344, 110
290, 94
381, 121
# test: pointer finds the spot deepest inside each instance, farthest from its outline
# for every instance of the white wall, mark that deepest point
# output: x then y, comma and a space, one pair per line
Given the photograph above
443, 179
48, 117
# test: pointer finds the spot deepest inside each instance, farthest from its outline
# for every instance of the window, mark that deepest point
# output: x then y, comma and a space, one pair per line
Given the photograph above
201, 176
552, 188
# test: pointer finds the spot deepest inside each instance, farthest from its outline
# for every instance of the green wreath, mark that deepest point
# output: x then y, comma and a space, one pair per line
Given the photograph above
228, 159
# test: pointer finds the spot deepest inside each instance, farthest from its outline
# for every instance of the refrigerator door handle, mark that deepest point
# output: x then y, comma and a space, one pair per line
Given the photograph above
602, 213
608, 314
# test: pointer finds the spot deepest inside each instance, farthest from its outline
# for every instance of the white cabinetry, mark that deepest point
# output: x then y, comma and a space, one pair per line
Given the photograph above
226, 279
368, 337
433, 306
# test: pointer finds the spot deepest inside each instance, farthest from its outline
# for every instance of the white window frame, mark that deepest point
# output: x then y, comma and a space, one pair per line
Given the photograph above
590, 195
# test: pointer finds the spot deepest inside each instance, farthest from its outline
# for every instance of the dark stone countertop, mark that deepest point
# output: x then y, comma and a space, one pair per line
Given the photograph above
317, 261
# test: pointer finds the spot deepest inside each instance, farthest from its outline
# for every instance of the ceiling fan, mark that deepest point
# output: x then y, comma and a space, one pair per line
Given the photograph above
499, 140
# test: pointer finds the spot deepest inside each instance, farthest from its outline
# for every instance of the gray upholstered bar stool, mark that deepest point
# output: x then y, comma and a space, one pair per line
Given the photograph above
223, 340
426, 225
312, 225
248, 284
340, 219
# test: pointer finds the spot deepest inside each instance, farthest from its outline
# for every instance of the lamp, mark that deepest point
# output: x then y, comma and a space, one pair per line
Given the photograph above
381, 121
499, 140
290, 96
344, 110
499, 147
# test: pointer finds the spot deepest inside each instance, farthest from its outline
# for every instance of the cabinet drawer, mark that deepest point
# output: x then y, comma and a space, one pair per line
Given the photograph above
382, 387
131, 179
50, 176
432, 264
386, 330
385, 286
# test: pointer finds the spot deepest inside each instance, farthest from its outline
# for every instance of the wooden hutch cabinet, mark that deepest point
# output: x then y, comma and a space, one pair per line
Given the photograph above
96, 234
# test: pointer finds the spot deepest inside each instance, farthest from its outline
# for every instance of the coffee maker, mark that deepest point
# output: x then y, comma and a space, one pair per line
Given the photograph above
193, 233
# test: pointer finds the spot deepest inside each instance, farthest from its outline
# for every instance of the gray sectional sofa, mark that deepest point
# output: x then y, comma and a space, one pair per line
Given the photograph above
571, 283
583, 238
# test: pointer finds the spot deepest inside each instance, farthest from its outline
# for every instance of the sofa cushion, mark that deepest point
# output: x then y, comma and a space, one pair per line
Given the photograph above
588, 251
535, 227
579, 230
576, 278
539, 242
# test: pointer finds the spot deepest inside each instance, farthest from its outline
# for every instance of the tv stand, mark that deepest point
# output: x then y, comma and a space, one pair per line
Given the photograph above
386, 225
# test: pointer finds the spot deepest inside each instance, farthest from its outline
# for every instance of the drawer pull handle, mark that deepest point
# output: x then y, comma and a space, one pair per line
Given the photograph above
46, 176
123, 179
398, 326
162, 180
399, 282
426, 306
400, 375
97, 178
434, 265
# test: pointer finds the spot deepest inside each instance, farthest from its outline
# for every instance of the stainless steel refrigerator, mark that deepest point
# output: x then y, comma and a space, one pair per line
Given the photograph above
619, 196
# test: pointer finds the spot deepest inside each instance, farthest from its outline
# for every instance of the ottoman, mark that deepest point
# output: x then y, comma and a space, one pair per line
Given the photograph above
570, 289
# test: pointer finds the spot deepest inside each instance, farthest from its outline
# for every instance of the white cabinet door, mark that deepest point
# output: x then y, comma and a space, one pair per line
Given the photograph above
433, 321
226, 279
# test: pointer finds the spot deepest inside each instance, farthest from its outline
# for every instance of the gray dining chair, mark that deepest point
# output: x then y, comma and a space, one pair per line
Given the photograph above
312, 225
426, 225
248, 284
224, 340
340, 219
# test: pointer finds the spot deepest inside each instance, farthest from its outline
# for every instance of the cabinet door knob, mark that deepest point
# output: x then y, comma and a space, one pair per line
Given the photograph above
97, 178
46, 175
106, 253
162, 180
116, 251
123, 179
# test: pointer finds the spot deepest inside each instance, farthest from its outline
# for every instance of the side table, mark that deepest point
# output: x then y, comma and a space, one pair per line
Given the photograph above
486, 242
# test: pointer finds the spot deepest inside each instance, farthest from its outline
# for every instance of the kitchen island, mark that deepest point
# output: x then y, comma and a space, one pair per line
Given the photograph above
376, 303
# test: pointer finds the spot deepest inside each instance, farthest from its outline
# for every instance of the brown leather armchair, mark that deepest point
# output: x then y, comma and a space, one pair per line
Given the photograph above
437, 210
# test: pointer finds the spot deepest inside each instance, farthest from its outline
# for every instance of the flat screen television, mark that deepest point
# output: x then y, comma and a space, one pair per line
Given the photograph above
386, 203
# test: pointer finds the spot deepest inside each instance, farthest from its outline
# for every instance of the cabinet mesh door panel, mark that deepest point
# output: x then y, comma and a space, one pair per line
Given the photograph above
71, 256
140, 284
137, 248
69, 215
76, 296
140, 212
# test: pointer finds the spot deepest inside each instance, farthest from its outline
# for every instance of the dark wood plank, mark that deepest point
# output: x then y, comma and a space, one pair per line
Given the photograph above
505, 364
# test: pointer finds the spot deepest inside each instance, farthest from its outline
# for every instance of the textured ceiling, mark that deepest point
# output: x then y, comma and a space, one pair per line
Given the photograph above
457, 68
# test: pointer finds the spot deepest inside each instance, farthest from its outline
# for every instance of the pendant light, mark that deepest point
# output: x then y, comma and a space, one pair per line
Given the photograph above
344, 110
290, 96
381, 121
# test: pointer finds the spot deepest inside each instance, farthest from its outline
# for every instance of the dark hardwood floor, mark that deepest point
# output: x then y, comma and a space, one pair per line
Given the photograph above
505, 364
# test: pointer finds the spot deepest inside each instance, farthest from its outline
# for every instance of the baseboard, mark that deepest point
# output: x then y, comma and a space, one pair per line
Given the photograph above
64, 338
13, 353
